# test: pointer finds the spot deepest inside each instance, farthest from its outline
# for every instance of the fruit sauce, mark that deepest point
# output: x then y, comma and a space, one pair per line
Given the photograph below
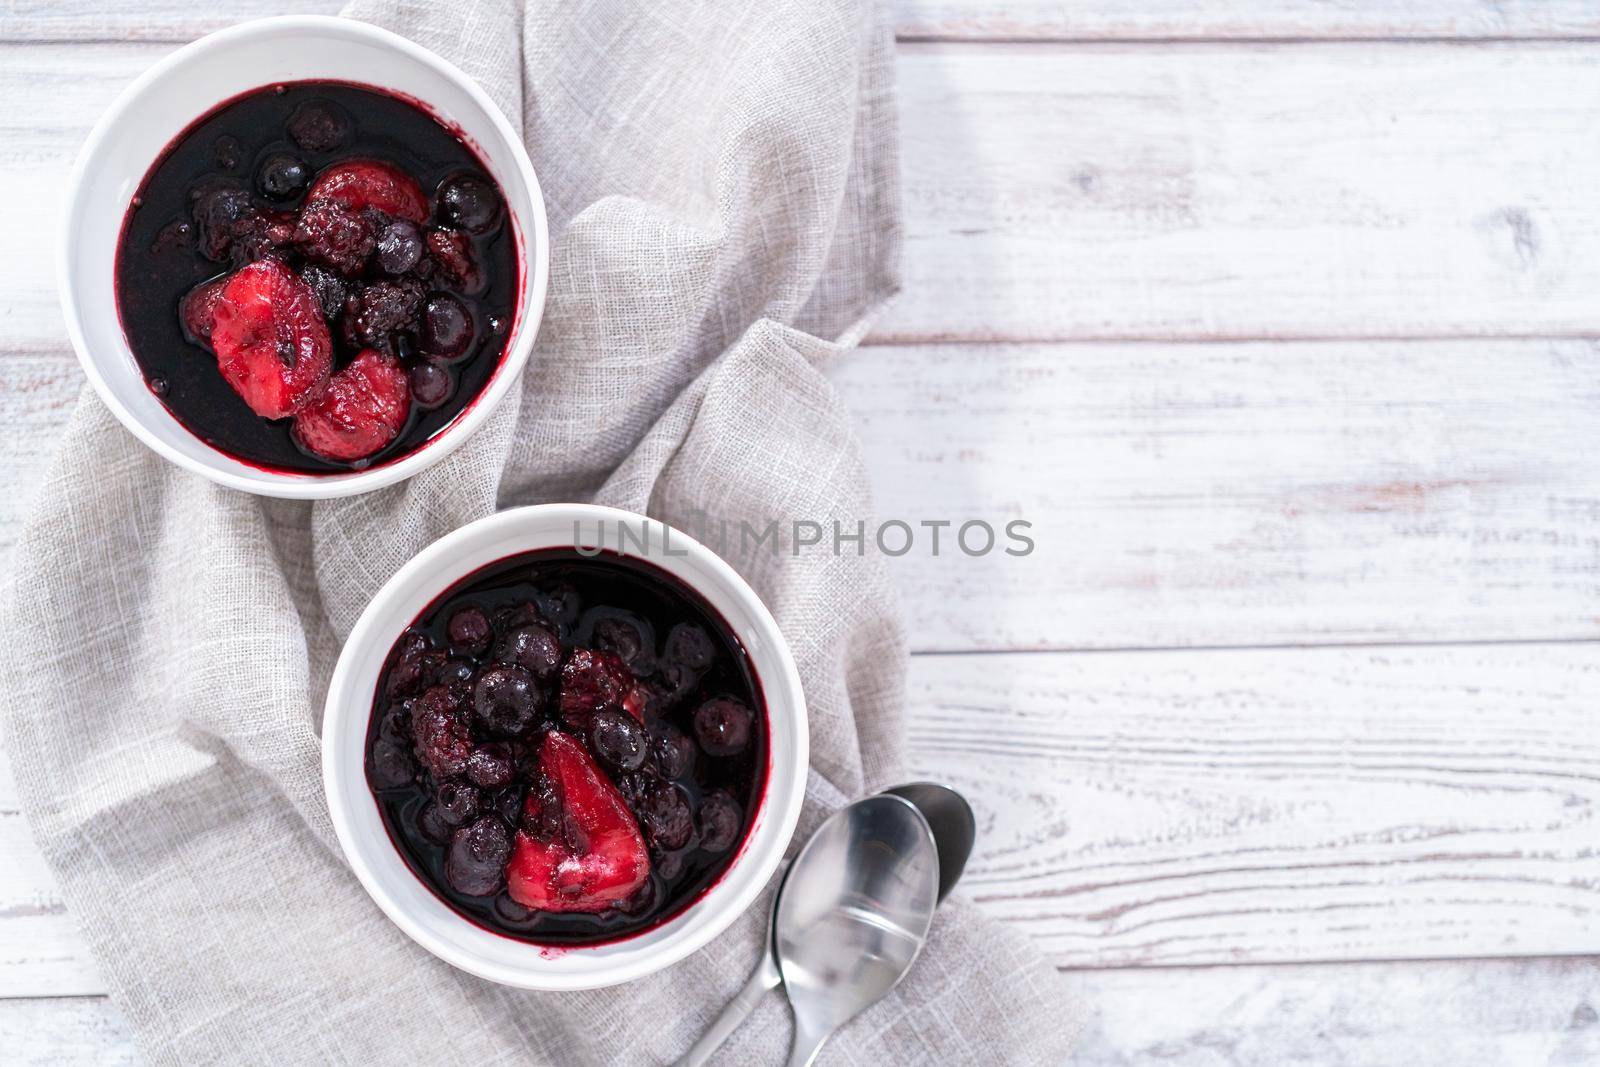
568, 749
433, 296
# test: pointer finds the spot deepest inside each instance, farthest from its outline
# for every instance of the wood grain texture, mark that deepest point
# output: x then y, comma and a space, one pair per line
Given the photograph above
1188, 495
1372, 1014
1014, 20
1187, 20
1212, 191
1231, 191
1180, 808
1242, 494
1239, 807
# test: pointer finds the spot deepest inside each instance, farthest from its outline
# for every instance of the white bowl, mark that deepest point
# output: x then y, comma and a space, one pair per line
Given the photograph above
170, 96
403, 896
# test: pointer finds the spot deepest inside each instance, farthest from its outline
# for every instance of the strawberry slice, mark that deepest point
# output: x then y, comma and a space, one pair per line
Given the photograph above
365, 407
583, 851
198, 310
271, 341
362, 183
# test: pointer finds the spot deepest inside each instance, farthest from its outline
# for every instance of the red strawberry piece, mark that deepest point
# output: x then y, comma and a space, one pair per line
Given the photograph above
365, 407
591, 680
271, 341
362, 183
198, 310
582, 850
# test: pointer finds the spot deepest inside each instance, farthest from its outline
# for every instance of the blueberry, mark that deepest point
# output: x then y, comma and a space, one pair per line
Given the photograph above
432, 826
457, 672
633, 787
666, 817
476, 862
431, 385
507, 701
458, 803
226, 152
623, 638
490, 766
395, 726
642, 900
534, 648
469, 631
399, 246
673, 683
511, 616
319, 125
509, 911
470, 203
722, 726
618, 740
690, 645
670, 751
392, 766
719, 821
561, 604
508, 802
446, 331
668, 865
282, 176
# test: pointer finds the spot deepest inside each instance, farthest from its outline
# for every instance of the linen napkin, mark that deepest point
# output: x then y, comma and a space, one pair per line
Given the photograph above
723, 201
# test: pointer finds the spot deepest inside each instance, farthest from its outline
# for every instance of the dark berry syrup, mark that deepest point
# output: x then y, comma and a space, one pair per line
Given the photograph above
435, 297
604, 672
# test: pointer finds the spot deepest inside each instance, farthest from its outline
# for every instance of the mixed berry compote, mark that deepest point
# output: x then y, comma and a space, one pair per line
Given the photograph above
317, 277
568, 749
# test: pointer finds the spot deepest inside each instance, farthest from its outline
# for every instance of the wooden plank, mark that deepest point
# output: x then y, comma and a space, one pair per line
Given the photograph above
1246, 494
1477, 1013
1012, 20
1238, 191
1270, 806
146, 20
41, 951
1212, 191
1188, 495
1181, 20
65, 1031
1183, 808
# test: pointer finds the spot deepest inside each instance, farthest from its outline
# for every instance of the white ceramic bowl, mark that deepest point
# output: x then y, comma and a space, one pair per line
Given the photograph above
170, 96
410, 903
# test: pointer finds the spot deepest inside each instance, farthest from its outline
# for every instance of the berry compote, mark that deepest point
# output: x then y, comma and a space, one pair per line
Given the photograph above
317, 277
568, 749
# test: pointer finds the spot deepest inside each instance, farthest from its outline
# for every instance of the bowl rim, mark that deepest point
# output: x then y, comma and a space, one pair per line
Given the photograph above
311, 485
438, 564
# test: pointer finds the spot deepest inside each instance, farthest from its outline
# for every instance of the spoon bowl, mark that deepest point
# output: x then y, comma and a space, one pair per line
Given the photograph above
853, 915
954, 827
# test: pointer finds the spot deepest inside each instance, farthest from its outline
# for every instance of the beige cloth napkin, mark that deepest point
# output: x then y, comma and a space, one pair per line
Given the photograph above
722, 192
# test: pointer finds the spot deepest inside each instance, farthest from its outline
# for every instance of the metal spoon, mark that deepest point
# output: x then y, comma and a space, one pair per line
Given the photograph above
853, 915
954, 829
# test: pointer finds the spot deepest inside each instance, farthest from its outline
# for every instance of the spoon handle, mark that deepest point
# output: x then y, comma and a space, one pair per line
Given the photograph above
808, 1041
762, 980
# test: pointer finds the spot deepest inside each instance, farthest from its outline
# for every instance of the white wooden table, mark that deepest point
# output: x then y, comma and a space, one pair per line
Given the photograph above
1278, 319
